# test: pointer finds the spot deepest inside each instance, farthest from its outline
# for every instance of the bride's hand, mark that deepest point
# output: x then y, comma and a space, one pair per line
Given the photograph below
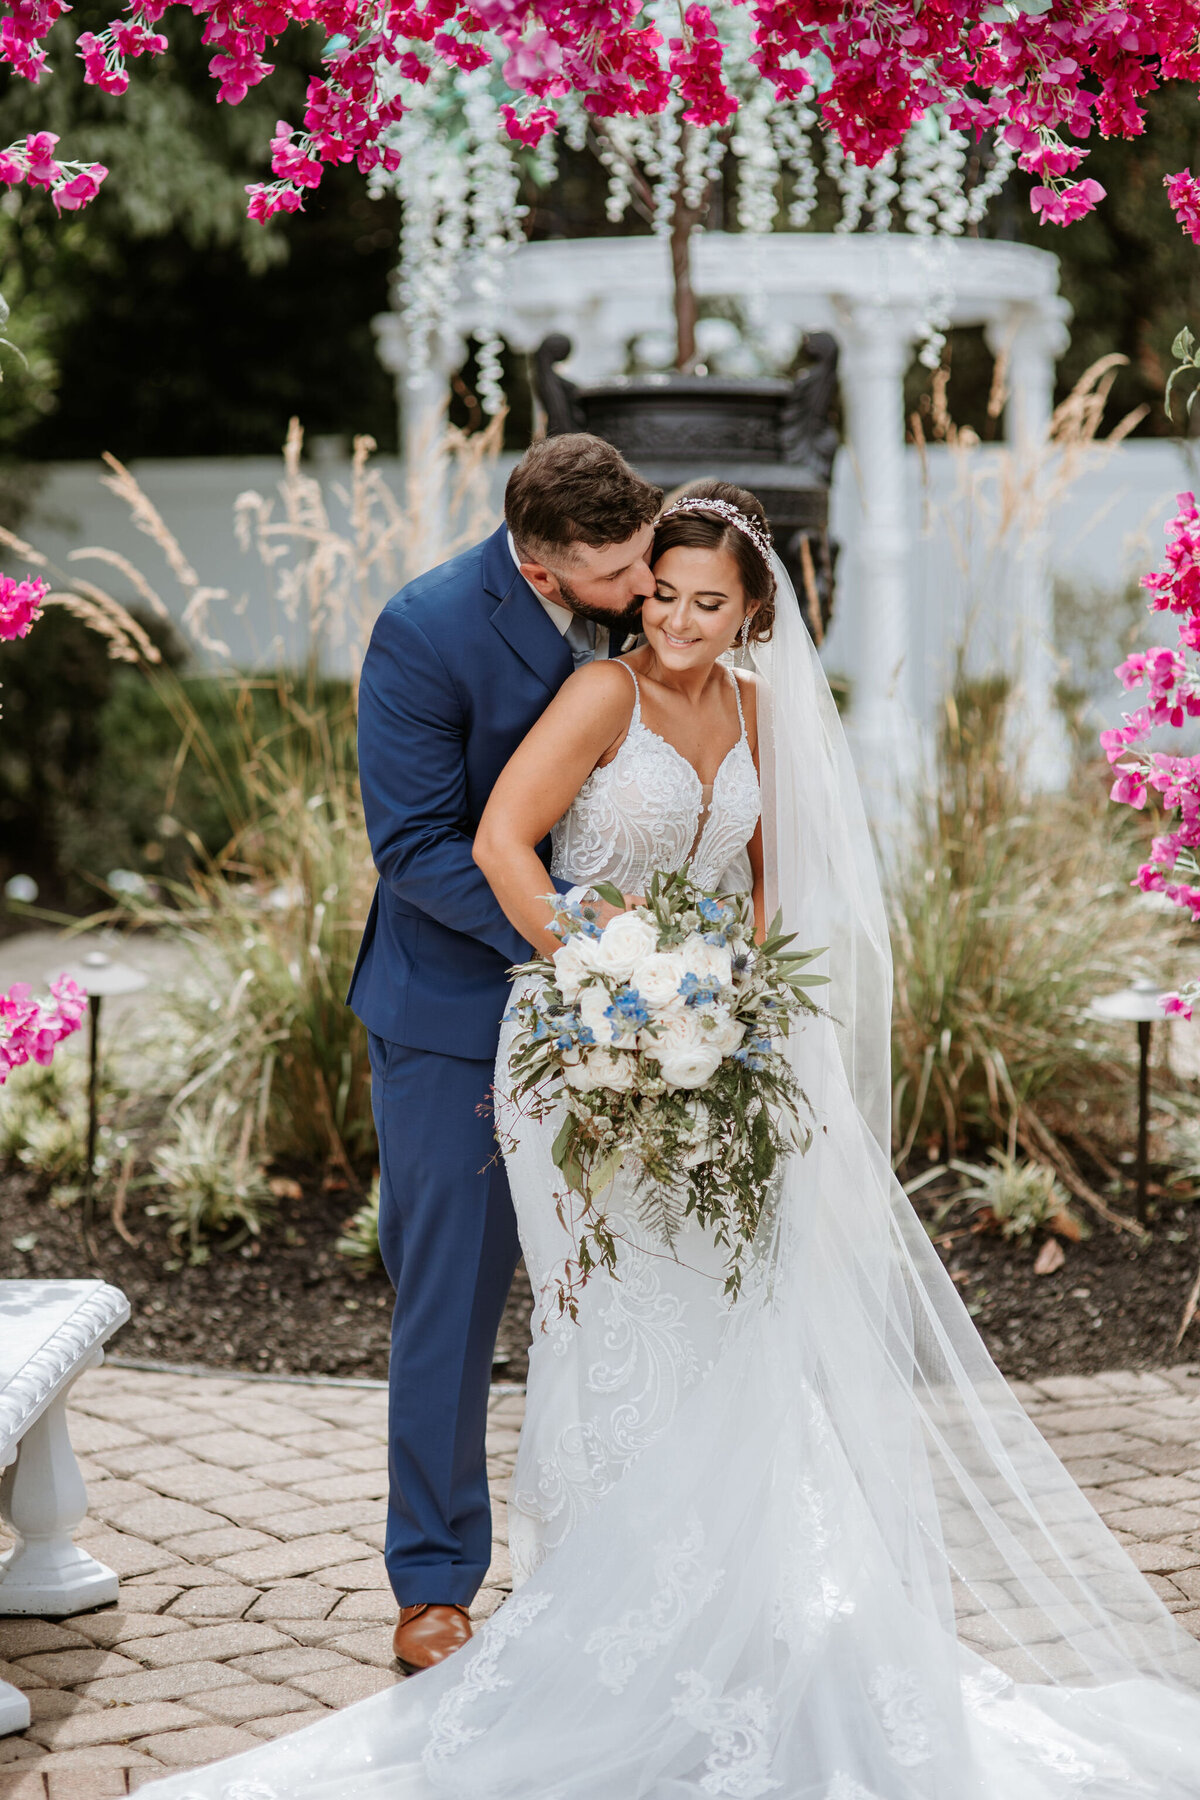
604, 911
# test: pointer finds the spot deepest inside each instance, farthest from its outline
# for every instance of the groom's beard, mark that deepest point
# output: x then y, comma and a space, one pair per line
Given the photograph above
621, 622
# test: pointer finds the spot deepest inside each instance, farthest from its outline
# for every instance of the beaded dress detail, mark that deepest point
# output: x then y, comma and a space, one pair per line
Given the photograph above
648, 810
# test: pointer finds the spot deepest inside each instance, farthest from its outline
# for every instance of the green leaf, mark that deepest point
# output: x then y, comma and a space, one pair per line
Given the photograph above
1183, 346
562, 1142
599, 1177
612, 894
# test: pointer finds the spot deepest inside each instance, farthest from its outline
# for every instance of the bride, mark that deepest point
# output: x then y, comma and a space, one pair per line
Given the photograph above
808, 1544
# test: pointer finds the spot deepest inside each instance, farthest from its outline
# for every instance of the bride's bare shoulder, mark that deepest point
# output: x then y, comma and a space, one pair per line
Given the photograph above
597, 699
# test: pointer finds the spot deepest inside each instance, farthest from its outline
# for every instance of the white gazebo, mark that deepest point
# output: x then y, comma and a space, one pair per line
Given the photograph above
873, 292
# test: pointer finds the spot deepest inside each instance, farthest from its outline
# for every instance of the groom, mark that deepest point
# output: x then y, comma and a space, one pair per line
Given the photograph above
461, 664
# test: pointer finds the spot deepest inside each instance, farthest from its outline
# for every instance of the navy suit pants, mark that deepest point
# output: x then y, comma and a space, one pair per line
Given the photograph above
448, 1237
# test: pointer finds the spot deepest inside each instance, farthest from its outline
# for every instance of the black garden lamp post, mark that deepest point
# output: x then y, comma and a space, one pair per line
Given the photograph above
99, 976
1142, 1005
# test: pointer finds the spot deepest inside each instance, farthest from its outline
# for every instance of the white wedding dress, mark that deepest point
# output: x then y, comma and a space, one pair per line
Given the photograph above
808, 1545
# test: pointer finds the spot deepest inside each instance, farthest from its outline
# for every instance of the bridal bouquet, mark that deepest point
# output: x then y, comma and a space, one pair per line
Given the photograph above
663, 1033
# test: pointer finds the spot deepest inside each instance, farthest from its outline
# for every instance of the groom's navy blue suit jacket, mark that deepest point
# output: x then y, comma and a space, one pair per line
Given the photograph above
461, 664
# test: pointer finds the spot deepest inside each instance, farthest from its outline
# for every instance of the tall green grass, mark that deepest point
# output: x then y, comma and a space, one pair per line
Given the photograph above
1010, 915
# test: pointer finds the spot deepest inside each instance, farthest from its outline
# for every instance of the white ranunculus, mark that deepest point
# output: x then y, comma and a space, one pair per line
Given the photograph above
722, 1029
625, 942
684, 1054
657, 978
570, 970
711, 962
594, 1001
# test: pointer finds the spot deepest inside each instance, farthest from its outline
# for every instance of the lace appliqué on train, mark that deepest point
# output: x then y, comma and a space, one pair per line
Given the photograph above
629, 1364
905, 1713
447, 1731
844, 1787
740, 1757
684, 1587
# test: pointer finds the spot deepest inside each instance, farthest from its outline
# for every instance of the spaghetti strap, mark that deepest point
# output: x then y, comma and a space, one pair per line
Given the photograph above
737, 694
637, 692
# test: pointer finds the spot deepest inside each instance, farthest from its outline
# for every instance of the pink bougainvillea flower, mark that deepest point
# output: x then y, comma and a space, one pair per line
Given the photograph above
1183, 192
68, 196
1062, 206
31, 1030
1046, 77
41, 164
20, 605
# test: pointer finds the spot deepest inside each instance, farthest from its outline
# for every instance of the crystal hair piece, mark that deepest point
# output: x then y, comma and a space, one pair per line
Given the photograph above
733, 515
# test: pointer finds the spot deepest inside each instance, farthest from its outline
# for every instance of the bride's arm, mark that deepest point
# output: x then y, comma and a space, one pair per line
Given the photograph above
587, 718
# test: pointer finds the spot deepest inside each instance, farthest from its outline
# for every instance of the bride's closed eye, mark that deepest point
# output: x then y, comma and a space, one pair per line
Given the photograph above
700, 605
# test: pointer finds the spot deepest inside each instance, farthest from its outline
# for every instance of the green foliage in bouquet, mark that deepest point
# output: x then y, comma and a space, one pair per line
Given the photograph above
662, 1037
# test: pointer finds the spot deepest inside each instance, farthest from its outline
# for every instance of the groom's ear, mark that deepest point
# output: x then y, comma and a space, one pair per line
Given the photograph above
538, 576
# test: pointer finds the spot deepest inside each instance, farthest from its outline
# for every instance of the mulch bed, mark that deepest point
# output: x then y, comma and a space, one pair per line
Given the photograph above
286, 1304
290, 1304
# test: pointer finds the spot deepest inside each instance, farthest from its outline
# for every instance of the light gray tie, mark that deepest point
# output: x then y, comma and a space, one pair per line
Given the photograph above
581, 636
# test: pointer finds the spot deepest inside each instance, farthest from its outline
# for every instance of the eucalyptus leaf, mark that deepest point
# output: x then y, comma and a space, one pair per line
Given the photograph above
612, 894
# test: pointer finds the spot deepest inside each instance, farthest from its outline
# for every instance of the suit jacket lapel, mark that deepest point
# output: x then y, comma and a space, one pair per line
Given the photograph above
520, 619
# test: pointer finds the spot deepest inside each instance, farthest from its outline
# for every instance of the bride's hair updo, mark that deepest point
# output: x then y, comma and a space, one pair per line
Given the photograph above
704, 530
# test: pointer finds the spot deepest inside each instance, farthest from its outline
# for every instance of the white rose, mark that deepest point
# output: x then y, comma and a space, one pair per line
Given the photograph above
594, 1002
625, 941
615, 1069
686, 1057
657, 978
711, 962
570, 970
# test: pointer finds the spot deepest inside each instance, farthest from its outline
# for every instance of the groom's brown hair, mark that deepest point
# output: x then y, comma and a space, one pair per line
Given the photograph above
575, 489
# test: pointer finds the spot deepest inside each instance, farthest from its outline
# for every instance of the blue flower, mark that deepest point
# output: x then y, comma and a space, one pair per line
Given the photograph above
698, 990
712, 910
628, 1010
585, 1036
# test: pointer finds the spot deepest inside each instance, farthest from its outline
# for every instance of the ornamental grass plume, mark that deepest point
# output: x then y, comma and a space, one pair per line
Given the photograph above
273, 918
1003, 935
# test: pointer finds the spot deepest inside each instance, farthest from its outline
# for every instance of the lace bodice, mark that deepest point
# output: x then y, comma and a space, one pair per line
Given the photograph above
648, 810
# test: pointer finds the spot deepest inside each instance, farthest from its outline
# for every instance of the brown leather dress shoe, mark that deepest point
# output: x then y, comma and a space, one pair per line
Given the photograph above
428, 1634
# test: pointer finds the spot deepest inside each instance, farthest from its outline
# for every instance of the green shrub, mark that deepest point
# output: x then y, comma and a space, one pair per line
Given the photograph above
360, 1234
211, 1184
1023, 1197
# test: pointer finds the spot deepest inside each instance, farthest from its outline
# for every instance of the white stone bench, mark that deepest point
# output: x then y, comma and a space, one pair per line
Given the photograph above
50, 1332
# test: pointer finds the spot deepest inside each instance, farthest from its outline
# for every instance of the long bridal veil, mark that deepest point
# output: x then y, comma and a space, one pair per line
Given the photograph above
849, 1568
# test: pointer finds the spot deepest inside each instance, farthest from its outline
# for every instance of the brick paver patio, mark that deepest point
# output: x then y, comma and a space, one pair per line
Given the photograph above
246, 1520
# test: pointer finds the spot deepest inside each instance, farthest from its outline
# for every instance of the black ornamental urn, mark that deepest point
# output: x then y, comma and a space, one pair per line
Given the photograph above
775, 437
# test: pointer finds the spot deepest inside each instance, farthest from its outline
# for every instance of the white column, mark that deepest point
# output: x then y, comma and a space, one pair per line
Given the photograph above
1031, 339
876, 341
43, 1499
421, 399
